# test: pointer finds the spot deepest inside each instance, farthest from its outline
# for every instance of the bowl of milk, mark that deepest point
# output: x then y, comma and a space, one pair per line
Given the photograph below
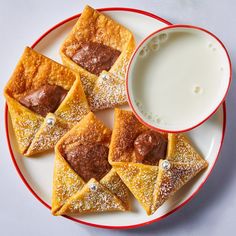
177, 78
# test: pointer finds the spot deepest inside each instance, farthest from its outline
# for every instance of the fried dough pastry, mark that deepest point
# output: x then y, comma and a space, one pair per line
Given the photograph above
82, 150
151, 184
99, 49
45, 99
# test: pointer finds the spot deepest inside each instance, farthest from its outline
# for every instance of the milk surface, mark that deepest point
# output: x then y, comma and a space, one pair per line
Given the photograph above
178, 78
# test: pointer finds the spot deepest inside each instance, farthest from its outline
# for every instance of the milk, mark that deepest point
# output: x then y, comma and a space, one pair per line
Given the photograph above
177, 78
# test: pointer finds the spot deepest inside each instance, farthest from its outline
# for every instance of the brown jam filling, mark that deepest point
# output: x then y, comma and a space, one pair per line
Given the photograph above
95, 57
45, 99
150, 147
88, 161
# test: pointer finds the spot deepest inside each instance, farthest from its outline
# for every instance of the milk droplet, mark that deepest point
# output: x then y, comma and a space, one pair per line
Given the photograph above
197, 89
163, 37
154, 46
138, 103
157, 119
142, 53
149, 116
210, 45
146, 49
155, 39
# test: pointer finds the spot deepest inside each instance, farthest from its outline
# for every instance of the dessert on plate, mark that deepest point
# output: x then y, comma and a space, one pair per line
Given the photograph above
94, 168
152, 165
83, 180
99, 49
45, 100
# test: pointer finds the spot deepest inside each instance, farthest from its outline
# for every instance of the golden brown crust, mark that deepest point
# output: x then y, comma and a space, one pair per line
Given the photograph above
105, 195
47, 136
89, 130
151, 185
126, 129
140, 179
24, 122
75, 105
33, 71
171, 180
114, 184
65, 182
88, 200
180, 149
96, 27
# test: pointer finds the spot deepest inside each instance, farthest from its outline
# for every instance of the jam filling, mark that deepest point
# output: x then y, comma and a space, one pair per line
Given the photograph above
95, 57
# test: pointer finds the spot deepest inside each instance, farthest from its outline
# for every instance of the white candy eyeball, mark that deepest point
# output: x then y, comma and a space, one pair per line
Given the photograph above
104, 76
93, 187
165, 165
50, 121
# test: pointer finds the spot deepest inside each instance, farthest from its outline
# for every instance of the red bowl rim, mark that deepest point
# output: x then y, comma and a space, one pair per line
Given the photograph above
132, 60
81, 221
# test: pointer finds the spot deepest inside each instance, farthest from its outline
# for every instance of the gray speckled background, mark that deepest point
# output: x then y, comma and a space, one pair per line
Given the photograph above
211, 212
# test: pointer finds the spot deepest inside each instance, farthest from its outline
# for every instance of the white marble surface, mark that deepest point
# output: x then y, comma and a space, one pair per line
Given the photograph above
212, 211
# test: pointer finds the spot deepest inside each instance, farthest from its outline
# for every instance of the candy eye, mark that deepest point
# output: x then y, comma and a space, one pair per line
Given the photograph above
165, 165
93, 187
50, 121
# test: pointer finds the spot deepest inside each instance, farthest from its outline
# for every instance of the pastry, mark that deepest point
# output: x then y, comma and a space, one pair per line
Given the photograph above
45, 100
152, 165
83, 180
99, 49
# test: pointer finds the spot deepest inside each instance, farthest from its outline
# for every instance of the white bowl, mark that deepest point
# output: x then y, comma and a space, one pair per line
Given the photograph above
177, 78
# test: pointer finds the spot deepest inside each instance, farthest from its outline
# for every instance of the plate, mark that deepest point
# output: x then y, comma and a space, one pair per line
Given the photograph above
37, 172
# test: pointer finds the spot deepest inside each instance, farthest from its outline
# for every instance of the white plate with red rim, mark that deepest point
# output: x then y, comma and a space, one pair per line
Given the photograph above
37, 172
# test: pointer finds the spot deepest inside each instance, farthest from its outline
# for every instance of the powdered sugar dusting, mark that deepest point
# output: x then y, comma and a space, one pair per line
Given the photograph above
75, 112
88, 200
169, 181
107, 93
47, 136
66, 183
115, 185
182, 151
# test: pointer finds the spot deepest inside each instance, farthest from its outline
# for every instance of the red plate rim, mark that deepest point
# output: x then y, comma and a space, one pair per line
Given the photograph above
84, 222
211, 113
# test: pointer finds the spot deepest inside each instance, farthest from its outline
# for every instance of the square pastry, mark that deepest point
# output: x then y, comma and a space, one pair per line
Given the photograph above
99, 49
83, 180
45, 100
152, 165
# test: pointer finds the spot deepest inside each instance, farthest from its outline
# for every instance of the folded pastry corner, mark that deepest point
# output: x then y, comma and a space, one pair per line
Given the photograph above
153, 165
140, 179
83, 180
45, 99
171, 177
99, 49
65, 182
